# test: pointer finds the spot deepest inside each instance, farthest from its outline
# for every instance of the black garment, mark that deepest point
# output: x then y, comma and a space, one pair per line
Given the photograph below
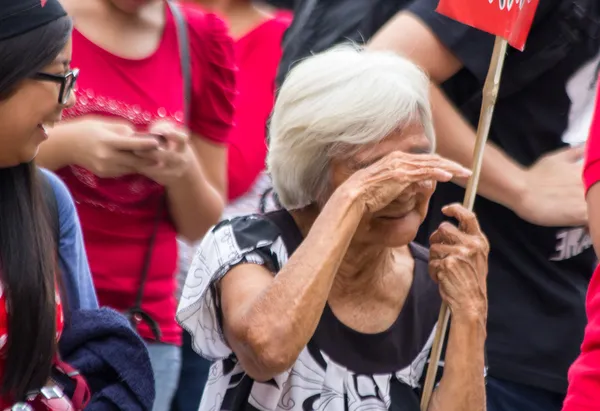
340, 368
192, 378
21, 16
502, 395
538, 276
281, 4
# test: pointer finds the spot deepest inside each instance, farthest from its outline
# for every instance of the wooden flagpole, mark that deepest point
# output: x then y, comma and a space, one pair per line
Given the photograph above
490, 94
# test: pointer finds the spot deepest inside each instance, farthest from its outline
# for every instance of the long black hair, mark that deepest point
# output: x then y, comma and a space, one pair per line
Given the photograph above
27, 243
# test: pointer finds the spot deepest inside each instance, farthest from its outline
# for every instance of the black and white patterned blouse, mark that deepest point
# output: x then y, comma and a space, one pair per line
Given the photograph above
340, 368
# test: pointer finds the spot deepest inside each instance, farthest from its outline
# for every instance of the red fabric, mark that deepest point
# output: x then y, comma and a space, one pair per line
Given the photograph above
584, 374
591, 172
81, 393
510, 19
258, 54
6, 401
118, 214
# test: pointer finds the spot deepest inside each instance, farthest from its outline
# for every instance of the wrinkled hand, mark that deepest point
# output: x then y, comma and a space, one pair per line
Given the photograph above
172, 159
378, 185
458, 262
554, 190
106, 147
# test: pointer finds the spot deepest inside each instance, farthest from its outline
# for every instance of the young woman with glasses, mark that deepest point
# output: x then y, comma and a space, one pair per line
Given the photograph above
37, 289
136, 192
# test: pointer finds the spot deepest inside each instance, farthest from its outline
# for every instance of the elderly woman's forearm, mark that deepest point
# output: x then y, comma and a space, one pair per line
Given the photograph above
462, 387
272, 330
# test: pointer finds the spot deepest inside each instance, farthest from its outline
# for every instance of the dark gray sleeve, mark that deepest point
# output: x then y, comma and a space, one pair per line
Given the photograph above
471, 46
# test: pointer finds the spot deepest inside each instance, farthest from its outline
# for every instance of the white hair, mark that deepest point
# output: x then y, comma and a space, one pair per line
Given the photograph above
334, 102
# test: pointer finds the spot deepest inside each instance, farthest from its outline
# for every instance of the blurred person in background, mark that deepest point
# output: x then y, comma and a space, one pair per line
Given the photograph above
139, 174
257, 31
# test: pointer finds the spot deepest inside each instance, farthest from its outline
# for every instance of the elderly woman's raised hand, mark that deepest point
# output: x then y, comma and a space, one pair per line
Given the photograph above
384, 181
459, 263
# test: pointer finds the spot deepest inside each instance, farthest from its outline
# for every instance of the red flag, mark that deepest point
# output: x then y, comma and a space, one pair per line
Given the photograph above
43, 2
510, 19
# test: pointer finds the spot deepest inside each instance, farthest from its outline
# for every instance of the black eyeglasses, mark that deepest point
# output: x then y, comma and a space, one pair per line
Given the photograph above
66, 81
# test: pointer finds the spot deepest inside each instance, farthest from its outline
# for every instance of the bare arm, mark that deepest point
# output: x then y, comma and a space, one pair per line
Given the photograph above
196, 201
269, 320
502, 180
462, 384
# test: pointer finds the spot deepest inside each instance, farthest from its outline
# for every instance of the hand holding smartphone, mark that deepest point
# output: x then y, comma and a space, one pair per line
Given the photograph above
162, 141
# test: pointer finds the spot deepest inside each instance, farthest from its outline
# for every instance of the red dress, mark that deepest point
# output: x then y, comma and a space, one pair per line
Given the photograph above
118, 214
584, 374
6, 402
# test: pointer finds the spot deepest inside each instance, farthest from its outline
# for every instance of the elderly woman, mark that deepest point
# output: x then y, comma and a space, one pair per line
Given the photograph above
328, 304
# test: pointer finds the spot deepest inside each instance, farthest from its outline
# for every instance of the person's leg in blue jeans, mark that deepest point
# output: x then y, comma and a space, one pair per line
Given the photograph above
192, 378
504, 395
166, 362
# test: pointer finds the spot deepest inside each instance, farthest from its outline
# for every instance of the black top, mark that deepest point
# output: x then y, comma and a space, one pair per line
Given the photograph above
340, 368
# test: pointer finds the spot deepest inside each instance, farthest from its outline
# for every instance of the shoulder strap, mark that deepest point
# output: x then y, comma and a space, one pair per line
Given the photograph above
81, 393
136, 313
184, 55
52, 205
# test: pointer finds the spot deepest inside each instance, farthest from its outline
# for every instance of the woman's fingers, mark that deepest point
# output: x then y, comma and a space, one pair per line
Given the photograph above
134, 143
157, 156
447, 233
175, 136
450, 166
433, 161
132, 161
440, 251
417, 167
436, 270
467, 219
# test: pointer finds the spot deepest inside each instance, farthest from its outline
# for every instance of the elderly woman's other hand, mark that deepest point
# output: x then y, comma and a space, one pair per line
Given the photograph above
459, 263
379, 184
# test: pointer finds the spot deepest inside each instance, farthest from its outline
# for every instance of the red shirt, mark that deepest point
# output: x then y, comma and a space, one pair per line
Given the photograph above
258, 53
584, 374
118, 214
